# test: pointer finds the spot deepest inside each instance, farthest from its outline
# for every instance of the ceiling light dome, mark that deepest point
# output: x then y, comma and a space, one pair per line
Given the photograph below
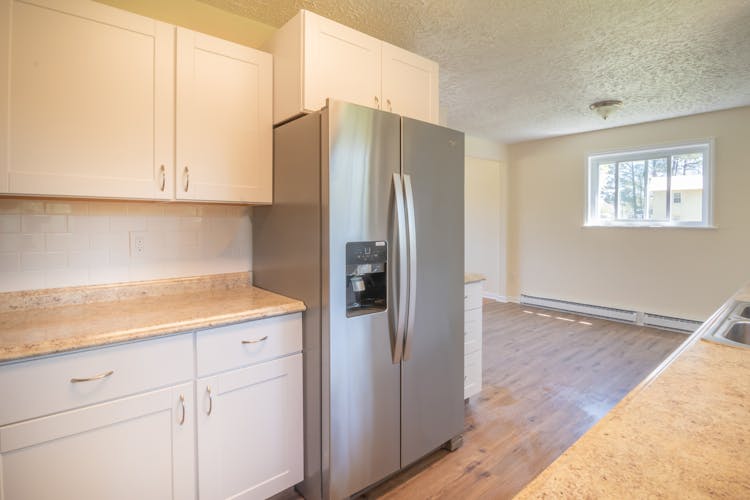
606, 108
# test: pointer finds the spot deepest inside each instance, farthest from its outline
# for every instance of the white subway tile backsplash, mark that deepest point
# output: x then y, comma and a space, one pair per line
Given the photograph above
10, 223
55, 278
19, 242
56, 242
10, 262
21, 280
53, 243
11, 242
10, 206
40, 261
88, 259
66, 207
109, 274
44, 223
88, 223
127, 223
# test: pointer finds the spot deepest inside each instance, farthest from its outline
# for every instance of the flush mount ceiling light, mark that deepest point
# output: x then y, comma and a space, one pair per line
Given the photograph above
606, 108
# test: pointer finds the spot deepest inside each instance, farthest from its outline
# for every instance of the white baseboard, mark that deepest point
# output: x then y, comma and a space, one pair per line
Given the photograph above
494, 296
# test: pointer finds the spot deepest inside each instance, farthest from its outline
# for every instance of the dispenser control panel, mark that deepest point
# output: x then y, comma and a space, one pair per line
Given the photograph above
366, 280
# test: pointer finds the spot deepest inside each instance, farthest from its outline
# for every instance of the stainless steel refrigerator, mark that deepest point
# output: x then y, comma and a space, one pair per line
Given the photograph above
366, 228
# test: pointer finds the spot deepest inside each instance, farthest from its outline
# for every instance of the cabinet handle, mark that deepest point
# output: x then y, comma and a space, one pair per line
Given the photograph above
210, 400
95, 377
186, 179
163, 177
388, 102
182, 405
377, 102
255, 341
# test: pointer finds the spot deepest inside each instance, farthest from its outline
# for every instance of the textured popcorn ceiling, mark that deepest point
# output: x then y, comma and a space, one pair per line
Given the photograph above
513, 70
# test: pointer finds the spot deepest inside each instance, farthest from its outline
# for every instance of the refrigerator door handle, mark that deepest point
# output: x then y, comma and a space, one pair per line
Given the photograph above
398, 192
412, 265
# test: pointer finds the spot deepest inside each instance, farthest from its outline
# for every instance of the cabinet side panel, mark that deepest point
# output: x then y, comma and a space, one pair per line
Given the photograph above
286, 260
5, 19
286, 47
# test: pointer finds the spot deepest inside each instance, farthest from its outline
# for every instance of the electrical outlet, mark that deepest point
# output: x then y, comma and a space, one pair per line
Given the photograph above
137, 243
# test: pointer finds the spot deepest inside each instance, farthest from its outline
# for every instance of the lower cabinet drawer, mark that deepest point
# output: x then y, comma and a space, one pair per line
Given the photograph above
472, 374
234, 346
49, 385
472, 330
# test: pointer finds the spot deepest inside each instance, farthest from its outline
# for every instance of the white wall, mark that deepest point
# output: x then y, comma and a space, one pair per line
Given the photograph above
485, 213
484, 222
685, 273
48, 243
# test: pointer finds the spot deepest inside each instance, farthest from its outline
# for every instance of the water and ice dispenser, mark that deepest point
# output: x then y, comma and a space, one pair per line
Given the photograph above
366, 281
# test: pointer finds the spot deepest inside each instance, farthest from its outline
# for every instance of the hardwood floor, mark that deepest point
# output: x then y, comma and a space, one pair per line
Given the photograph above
548, 377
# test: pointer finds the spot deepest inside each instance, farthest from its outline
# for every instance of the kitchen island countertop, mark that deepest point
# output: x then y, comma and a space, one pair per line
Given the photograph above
52, 321
684, 432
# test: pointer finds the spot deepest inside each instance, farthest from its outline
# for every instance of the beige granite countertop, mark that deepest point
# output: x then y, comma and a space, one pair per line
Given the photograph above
473, 278
47, 322
682, 433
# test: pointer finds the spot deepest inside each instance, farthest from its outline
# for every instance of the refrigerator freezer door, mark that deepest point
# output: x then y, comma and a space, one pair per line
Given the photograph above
432, 380
363, 383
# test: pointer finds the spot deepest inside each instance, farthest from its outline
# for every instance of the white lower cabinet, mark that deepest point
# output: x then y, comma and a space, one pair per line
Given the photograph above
250, 430
135, 447
87, 425
472, 339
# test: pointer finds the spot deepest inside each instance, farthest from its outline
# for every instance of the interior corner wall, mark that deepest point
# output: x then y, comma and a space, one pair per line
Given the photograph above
200, 17
677, 272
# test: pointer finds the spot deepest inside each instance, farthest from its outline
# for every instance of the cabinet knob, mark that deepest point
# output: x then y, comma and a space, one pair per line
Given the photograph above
186, 179
377, 102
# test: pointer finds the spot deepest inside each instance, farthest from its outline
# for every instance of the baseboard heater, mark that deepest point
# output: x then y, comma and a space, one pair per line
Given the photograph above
670, 323
611, 313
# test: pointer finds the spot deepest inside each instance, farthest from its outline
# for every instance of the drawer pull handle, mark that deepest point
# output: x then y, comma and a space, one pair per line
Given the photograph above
163, 172
255, 341
95, 377
182, 405
210, 400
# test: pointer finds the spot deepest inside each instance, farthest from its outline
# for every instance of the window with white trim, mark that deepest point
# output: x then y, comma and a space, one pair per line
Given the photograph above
663, 186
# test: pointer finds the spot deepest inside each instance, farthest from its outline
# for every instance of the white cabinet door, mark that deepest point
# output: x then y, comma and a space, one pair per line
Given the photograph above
136, 447
88, 91
250, 430
410, 84
224, 122
339, 62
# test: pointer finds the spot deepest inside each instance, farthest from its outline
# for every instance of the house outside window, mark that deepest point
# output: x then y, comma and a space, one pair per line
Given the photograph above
660, 186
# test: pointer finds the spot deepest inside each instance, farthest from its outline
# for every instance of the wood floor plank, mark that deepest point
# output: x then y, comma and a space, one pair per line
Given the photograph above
548, 377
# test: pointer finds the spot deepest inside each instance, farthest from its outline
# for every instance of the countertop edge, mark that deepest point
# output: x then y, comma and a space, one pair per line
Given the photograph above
27, 352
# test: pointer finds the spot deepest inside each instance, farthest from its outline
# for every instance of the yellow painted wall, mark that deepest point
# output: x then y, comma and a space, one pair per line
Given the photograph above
671, 271
200, 17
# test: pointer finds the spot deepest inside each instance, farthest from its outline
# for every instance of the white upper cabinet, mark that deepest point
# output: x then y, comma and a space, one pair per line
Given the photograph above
410, 84
224, 128
340, 62
90, 93
89, 90
316, 58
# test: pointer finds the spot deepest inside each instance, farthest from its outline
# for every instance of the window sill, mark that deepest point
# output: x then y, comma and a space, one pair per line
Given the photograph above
645, 226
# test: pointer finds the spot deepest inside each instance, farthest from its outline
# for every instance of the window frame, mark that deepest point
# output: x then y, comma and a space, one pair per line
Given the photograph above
593, 160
